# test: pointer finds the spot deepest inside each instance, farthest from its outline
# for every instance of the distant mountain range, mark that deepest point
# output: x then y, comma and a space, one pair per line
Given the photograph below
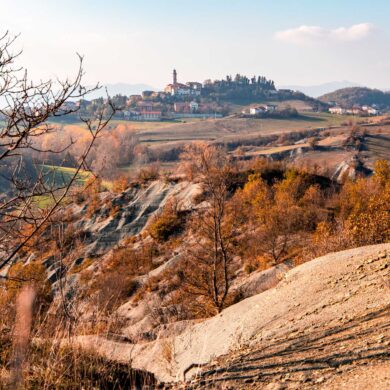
322, 89
120, 89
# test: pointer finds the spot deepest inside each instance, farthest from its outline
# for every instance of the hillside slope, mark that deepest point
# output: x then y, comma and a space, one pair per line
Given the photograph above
347, 97
324, 319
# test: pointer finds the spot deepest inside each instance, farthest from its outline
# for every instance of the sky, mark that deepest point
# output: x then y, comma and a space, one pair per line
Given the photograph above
299, 42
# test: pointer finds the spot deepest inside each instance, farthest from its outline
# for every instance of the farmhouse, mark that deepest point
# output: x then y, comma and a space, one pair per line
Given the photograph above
355, 111
137, 115
150, 115
371, 110
270, 108
145, 111
262, 109
337, 110
257, 110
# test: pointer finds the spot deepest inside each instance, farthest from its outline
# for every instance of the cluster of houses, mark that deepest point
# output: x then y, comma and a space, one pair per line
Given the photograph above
175, 102
146, 107
144, 111
355, 110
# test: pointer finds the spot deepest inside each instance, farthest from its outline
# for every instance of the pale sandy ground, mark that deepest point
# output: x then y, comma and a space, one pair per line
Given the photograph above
331, 332
322, 326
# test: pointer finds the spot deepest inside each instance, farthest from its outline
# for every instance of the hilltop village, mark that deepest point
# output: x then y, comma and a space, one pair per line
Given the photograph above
241, 96
178, 100
192, 99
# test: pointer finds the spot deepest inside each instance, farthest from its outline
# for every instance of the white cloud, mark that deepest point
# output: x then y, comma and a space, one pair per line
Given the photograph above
313, 34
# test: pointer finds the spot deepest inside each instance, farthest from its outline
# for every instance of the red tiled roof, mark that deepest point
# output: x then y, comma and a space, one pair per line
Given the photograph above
178, 85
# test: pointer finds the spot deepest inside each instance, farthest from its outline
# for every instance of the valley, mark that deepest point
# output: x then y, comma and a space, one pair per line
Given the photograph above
217, 232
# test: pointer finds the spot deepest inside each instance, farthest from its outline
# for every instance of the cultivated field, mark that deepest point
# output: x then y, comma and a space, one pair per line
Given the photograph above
62, 175
231, 128
377, 146
152, 133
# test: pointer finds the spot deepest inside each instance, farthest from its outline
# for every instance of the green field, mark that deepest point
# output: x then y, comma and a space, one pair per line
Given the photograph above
62, 175
56, 177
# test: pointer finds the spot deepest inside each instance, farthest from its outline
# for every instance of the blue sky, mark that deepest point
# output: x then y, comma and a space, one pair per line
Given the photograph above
301, 42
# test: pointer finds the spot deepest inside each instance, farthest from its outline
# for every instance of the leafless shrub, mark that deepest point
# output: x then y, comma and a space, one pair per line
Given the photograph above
149, 173
207, 273
25, 115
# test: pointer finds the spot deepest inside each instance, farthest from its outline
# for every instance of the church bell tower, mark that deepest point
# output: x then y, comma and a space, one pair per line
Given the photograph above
174, 76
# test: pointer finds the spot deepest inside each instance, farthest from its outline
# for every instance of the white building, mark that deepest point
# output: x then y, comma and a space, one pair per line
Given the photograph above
270, 108
371, 110
257, 110
262, 109
354, 111
338, 110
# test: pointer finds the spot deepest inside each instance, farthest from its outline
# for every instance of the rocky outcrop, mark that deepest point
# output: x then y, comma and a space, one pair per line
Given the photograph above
350, 169
120, 217
134, 209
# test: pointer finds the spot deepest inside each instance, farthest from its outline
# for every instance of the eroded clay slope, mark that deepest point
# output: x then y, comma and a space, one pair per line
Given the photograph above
313, 301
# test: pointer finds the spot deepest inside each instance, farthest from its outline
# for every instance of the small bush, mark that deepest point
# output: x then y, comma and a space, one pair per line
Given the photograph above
120, 184
149, 173
82, 266
166, 224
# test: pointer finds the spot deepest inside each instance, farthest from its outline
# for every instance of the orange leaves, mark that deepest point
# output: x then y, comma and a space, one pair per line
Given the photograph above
382, 172
120, 184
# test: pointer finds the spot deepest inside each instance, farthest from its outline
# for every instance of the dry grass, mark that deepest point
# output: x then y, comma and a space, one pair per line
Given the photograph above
39, 353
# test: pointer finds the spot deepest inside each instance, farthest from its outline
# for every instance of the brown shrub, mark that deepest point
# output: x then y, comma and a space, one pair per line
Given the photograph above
149, 173
120, 184
34, 274
116, 283
169, 222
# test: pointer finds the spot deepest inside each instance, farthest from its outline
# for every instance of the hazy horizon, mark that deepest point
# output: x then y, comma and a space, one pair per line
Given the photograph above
293, 42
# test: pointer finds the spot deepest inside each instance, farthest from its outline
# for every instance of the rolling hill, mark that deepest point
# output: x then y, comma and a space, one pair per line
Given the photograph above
318, 90
348, 97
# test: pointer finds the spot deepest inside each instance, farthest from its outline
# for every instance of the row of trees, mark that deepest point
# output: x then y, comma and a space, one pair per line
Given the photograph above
240, 80
239, 89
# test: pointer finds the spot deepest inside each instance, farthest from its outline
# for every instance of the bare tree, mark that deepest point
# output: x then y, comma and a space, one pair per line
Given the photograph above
208, 272
26, 108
